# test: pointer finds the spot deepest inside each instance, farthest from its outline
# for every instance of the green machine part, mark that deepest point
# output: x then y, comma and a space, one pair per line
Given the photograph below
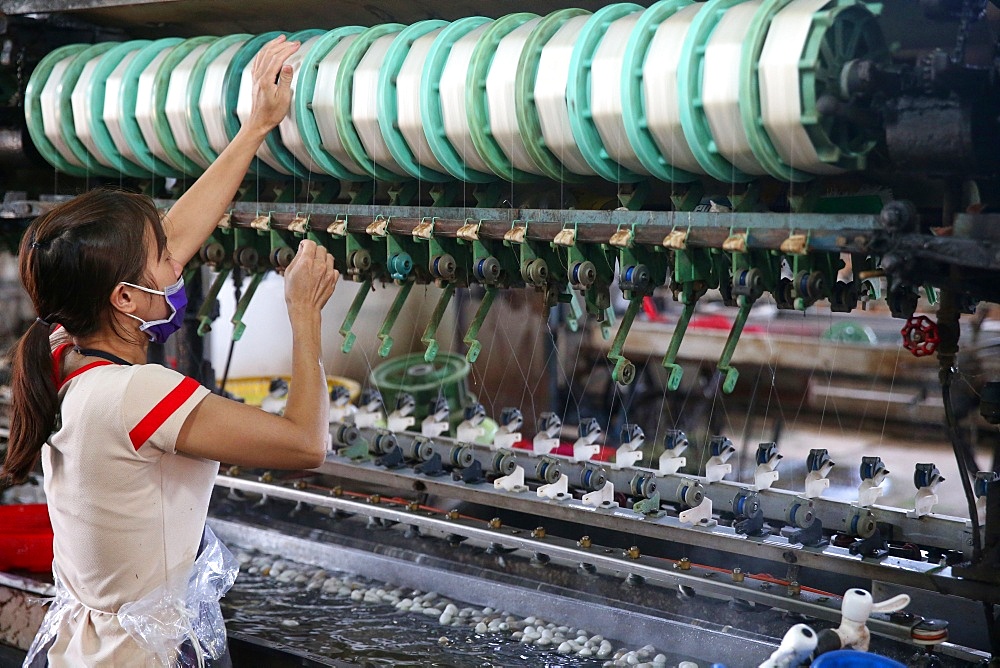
590, 269
216, 253
754, 271
540, 265
449, 265
696, 271
494, 264
642, 270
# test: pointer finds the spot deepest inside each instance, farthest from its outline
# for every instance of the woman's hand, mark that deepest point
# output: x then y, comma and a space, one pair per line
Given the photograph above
272, 83
309, 279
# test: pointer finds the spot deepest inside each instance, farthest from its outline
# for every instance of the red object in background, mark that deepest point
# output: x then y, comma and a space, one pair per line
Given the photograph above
920, 336
565, 449
25, 538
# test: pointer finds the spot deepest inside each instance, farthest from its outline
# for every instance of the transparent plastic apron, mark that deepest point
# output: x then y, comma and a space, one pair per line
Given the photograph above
166, 617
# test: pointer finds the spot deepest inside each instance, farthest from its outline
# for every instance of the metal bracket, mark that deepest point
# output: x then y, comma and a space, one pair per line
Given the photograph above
390, 319
471, 338
241, 308
428, 338
352, 315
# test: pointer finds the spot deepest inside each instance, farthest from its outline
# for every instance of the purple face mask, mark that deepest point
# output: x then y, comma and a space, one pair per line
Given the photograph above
159, 331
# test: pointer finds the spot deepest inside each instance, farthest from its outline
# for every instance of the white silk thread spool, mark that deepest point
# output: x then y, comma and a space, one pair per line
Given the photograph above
550, 96
780, 88
177, 109
720, 88
288, 127
244, 106
606, 104
83, 119
52, 111
211, 100
145, 114
501, 91
364, 105
114, 111
454, 110
659, 88
411, 122
325, 108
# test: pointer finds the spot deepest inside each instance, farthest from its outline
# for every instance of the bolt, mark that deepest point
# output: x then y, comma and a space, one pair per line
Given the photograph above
337, 491
413, 506
794, 588
375, 499
300, 484
452, 515
495, 523
632, 552
684, 564
738, 575
234, 471
584, 542
266, 476
538, 532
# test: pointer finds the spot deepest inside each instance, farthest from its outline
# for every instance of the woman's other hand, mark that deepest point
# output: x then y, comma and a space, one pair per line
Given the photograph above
272, 83
309, 279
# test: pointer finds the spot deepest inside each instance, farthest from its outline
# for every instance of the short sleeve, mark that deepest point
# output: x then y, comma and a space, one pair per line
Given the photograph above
157, 402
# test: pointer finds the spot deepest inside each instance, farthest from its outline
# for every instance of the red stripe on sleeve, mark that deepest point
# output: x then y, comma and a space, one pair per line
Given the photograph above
81, 370
162, 411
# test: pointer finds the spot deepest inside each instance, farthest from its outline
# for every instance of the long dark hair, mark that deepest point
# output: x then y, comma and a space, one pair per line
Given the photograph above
71, 259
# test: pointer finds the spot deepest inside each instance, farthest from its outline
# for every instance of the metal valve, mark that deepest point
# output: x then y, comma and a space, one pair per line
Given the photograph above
920, 336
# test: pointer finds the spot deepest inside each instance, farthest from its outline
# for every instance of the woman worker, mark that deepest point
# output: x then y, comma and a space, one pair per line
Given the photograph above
130, 450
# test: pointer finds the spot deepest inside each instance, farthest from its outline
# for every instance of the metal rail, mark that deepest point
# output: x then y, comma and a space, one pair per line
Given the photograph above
564, 551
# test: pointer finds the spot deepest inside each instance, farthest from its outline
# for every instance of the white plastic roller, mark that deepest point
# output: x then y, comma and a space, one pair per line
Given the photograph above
500, 95
411, 123
289, 129
721, 86
324, 104
52, 111
145, 114
177, 108
364, 105
606, 92
453, 105
212, 96
114, 109
659, 87
550, 96
780, 91
83, 119
244, 106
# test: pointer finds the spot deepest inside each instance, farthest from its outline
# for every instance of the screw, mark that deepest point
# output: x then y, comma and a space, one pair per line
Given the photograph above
495, 523
375, 499
452, 515
300, 484
584, 542
234, 471
413, 506
266, 476
632, 552
539, 532
684, 564
794, 588
738, 575
337, 491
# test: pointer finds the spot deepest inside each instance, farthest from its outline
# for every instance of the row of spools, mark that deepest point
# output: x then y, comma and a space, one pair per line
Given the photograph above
725, 88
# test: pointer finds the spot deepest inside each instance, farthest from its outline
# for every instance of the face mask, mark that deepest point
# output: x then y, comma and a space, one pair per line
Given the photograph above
159, 331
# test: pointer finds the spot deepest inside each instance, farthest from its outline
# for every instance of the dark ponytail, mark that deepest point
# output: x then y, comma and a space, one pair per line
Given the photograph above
70, 260
35, 402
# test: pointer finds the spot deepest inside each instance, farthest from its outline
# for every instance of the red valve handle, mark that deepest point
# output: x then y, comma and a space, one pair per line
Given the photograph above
920, 336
